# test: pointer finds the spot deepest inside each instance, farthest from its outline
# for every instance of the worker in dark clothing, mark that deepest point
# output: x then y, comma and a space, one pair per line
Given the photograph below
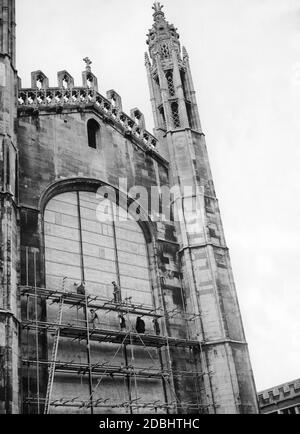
80, 288
122, 323
156, 327
117, 293
94, 318
140, 325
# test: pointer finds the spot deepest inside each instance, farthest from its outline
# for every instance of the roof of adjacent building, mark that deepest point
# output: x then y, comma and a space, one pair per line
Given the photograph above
282, 392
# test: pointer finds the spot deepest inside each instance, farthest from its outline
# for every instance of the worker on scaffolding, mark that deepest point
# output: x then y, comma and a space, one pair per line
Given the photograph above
122, 323
117, 293
156, 327
140, 325
80, 289
94, 318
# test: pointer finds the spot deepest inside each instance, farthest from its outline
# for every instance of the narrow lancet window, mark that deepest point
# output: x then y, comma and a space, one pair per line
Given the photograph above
163, 118
169, 76
93, 129
175, 115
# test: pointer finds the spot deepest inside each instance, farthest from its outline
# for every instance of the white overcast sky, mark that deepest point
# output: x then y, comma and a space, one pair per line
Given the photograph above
245, 58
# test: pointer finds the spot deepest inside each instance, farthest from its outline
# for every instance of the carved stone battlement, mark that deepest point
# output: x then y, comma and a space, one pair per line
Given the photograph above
40, 96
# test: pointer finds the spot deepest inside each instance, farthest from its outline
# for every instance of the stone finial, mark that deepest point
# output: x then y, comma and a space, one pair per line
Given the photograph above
115, 98
157, 7
185, 54
158, 13
65, 80
88, 78
138, 117
88, 63
39, 80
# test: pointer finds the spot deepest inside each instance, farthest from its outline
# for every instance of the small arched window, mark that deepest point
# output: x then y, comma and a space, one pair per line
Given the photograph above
93, 129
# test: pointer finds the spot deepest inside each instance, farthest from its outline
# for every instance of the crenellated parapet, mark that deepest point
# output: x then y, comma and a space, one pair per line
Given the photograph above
65, 80
280, 398
39, 80
68, 96
138, 116
115, 98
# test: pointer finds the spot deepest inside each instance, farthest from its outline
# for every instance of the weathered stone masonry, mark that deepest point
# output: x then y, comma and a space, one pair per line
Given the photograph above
58, 146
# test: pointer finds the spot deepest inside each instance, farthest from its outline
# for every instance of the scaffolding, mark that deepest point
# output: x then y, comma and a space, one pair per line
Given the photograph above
129, 371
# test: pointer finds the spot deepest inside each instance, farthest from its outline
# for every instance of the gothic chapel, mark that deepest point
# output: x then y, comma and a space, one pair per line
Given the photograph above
135, 315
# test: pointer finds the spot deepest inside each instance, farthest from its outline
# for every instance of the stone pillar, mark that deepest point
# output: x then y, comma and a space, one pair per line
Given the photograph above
9, 240
8, 30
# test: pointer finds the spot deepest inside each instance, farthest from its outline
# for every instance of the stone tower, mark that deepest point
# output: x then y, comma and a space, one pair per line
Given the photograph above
9, 323
203, 254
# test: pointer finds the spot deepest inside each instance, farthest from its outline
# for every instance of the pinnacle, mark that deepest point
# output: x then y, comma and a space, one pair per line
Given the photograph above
147, 60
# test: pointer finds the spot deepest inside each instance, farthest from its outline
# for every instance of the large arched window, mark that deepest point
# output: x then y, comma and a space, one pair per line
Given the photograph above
79, 247
93, 130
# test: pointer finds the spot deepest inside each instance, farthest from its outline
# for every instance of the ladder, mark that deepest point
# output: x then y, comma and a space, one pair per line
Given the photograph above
53, 358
